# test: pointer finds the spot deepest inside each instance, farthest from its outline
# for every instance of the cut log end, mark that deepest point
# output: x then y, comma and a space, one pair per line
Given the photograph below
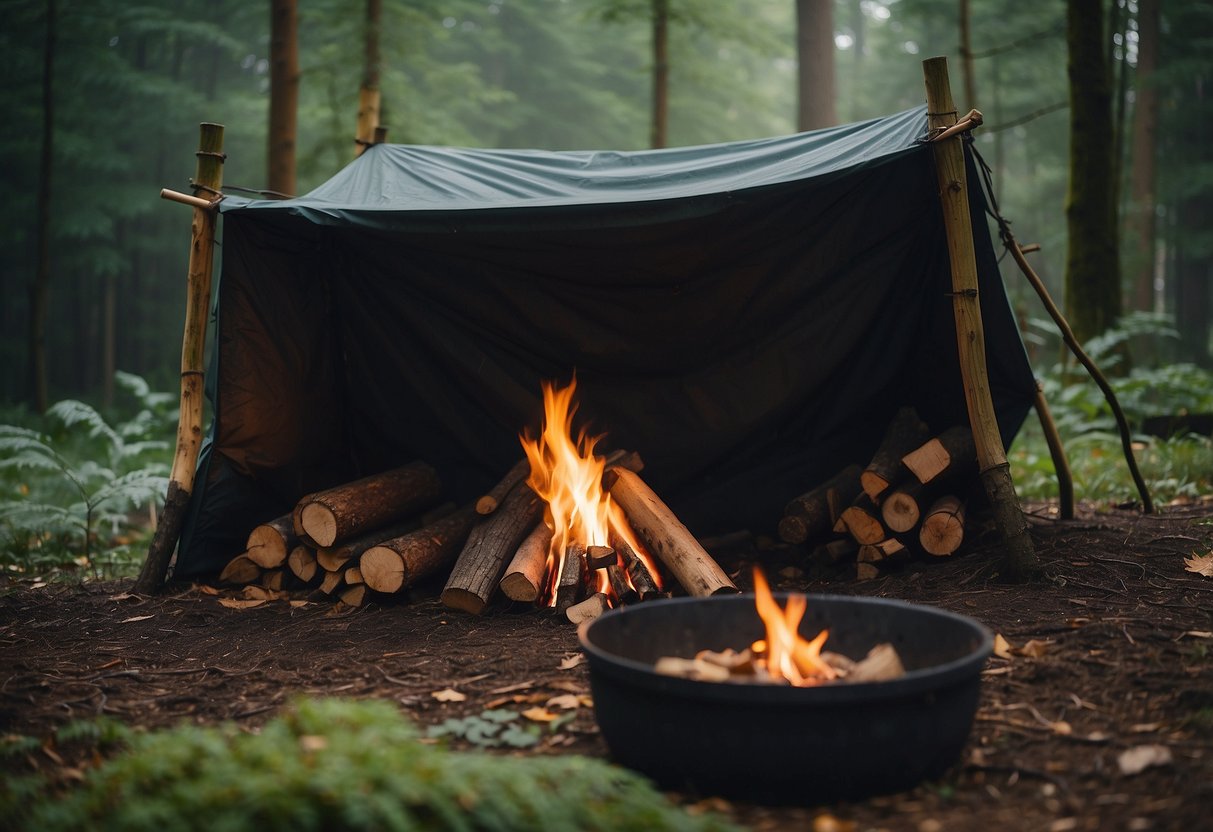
319, 523
518, 587
462, 599
382, 569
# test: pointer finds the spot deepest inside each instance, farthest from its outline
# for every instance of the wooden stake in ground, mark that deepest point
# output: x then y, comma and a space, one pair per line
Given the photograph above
208, 179
477, 572
524, 577
399, 562
905, 433
943, 527
815, 512
666, 536
269, 543
1019, 561
347, 510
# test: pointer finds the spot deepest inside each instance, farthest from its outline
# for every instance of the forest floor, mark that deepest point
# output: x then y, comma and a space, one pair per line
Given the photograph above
1118, 676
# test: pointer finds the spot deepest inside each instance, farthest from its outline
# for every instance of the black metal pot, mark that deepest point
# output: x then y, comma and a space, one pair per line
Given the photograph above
777, 743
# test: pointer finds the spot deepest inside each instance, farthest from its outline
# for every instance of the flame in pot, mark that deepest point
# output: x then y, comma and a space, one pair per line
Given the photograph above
785, 654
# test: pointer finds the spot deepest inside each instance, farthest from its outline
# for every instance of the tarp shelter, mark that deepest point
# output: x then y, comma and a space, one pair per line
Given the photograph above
748, 316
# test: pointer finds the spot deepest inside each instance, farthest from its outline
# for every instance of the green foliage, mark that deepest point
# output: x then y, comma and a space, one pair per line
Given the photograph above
1172, 466
491, 729
77, 478
339, 765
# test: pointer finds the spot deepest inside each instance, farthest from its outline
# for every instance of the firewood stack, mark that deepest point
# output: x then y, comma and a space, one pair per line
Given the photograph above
910, 498
378, 536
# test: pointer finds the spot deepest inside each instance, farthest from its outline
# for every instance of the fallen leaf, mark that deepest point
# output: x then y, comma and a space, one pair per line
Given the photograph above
572, 660
207, 590
300, 603
449, 695
1034, 648
1141, 757
136, 618
564, 701
1002, 647
256, 593
241, 603
1200, 564
539, 715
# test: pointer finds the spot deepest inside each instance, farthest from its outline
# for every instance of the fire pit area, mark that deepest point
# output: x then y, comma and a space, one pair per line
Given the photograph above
783, 743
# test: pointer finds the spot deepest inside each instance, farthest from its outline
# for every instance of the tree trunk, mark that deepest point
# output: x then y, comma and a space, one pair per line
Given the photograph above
661, 73
368, 95
39, 290
1093, 296
815, 56
966, 55
284, 95
1140, 222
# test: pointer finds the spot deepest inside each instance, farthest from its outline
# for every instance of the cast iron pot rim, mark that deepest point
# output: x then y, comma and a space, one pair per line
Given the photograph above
921, 680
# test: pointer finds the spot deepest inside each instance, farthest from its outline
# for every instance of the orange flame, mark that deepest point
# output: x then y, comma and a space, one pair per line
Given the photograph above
787, 655
567, 475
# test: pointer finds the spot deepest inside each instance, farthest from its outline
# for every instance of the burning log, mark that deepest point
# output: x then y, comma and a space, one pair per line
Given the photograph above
488, 503
638, 573
240, 570
943, 528
905, 433
523, 578
478, 568
862, 521
622, 590
270, 543
398, 562
666, 536
950, 454
347, 510
302, 562
623, 459
600, 557
588, 609
815, 512
572, 577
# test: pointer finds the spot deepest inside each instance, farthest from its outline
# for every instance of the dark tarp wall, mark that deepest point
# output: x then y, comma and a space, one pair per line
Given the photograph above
747, 316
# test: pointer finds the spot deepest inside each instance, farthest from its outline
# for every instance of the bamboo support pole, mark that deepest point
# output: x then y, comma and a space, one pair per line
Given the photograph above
208, 179
1061, 465
1019, 560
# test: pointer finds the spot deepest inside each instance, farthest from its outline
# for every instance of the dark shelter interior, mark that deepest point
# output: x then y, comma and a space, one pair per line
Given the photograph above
747, 316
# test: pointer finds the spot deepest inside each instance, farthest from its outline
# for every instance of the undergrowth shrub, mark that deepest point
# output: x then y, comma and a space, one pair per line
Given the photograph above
331, 764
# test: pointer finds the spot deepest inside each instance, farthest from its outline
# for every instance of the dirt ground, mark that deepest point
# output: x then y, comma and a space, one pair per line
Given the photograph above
1120, 671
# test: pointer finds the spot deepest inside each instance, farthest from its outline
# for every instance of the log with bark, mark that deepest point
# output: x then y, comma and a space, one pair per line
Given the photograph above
489, 502
351, 509
477, 571
524, 577
862, 521
641, 579
904, 506
240, 570
666, 536
816, 511
270, 543
835, 551
571, 584
618, 579
943, 527
399, 562
905, 433
947, 456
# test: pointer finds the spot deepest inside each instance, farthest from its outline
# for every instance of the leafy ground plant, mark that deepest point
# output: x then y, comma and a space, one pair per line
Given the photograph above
73, 482
337, 764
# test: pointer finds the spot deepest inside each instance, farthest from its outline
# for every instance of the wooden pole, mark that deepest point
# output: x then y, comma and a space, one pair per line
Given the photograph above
208, 179
1061, 465
1019, 559
368, 119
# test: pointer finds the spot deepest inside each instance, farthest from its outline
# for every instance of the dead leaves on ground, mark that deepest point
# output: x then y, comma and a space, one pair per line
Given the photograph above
1200, 564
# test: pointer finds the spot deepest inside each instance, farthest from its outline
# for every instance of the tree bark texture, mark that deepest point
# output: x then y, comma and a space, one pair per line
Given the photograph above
661, 73
1141, 220
340, 513
400, 562
477, 571
284, 95
816, 80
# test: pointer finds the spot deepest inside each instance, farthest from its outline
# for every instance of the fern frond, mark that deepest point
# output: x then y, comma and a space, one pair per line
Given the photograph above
71, 412
129, 490
21, 454
37, 518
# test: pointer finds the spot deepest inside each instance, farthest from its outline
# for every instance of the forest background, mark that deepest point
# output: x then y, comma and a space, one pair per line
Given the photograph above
102, 98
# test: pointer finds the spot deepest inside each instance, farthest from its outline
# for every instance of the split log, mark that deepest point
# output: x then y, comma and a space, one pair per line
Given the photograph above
354, 596
600, 557
836, 550
866, 571
877, 552
353, 508
273, 579
477, 571
905, 433
862, 521
270, 543
950, 454
352, 575
524, 577
815, 512
399, 562
666, 536
572, 577
618, 579
905, 505
638, 573
943, 528
302, 561
330, 583
589, 609
332, 558
630, 460
240, 570
488, 503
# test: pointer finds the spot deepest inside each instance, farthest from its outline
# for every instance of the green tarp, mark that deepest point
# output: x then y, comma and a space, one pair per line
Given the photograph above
746, 315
